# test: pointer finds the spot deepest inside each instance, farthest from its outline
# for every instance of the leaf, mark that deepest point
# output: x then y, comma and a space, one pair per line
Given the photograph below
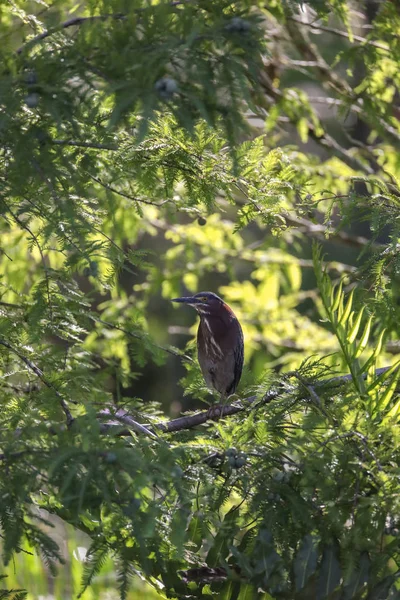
178, 528
386, 397
265, 558
230, 591
382, 589
375, 353
347, 310
329, 576
247, 592
364, 339
305, 562
354, 330
383, 377
338, 297
95, 559
394, 411
195, 532
302, 129
220, 550
358, 578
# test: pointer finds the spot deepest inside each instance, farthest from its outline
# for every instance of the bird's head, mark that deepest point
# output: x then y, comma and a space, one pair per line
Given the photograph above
206, 303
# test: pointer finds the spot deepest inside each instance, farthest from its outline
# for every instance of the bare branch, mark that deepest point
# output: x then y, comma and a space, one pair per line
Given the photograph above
123, 417
188, 422
328, 76
319, 231
323, 139
94, 145
340, 33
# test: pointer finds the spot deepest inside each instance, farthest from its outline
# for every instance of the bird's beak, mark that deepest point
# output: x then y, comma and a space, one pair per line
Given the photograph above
186, 300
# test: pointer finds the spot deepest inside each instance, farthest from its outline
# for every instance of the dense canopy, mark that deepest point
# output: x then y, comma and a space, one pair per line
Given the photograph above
151, 149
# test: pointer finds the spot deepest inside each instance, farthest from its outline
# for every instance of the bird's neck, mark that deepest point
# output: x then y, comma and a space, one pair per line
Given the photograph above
209, 317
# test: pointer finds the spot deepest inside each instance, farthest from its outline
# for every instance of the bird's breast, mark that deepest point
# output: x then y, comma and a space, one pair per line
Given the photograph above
212, 345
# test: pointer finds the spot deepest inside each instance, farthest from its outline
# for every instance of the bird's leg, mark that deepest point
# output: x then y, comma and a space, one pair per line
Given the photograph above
215, 411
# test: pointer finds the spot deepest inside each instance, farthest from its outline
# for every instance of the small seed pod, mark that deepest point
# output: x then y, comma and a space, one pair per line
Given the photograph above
231, 452
166, 87
238, 25
30, 78
111, 457
176, 472
240, 461
32, 100
92, 270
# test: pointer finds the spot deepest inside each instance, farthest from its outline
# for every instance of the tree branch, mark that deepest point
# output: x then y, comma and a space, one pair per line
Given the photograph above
273, 95
328, 76
190, 421
122, 416
74, 22
319, 231
112, 189
340, 33
95, 145
141, 336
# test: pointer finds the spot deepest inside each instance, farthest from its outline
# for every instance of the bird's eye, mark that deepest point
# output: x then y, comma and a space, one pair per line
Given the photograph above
204, 299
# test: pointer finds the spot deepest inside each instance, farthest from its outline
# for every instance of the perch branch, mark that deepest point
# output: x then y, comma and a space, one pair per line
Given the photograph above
190, 421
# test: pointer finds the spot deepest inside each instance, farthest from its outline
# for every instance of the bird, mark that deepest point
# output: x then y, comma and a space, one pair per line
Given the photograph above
220, 345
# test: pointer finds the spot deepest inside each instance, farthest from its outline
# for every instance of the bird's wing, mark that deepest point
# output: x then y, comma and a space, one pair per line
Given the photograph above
238, 362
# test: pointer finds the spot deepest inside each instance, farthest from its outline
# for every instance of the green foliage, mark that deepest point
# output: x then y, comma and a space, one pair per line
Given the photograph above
150, 148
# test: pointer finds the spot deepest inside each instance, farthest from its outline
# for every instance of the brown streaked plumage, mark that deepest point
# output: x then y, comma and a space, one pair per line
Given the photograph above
220, 346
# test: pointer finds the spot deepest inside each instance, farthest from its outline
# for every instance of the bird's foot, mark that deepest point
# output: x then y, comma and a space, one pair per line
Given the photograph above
215, 411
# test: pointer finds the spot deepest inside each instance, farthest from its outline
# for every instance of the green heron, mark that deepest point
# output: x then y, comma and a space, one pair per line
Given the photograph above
219, 342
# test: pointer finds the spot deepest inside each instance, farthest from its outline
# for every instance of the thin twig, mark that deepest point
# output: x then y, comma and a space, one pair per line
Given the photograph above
74, 22
19, 549
36, 240
328, 76
342, 379
323, 138
94, 145
141, 336
318, 230
123, 417
333, 102
42, 377
11, 305
107, 186
314, 396
341, 33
